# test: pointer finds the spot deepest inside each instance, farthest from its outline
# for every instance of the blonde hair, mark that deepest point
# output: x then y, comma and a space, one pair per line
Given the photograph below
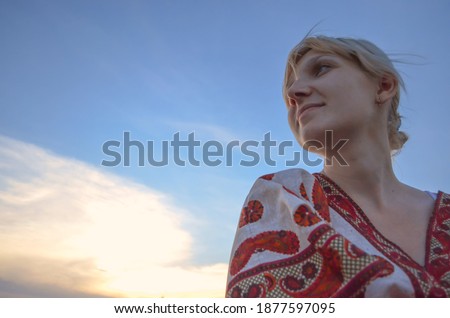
371, 59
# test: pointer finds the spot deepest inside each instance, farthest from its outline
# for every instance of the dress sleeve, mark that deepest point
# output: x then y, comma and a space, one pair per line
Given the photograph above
285, 245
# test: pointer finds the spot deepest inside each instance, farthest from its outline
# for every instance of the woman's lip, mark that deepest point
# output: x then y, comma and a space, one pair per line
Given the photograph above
309, 106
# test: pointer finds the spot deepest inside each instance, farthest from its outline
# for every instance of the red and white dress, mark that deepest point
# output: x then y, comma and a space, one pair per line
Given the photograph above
300, 235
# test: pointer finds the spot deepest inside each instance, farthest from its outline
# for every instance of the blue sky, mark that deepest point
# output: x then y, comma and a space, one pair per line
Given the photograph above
75, 74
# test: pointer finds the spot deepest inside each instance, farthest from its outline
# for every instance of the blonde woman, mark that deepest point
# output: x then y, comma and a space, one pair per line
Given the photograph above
353, 230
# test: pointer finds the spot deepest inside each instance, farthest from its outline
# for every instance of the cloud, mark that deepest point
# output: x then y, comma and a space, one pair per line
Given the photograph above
204, 130
67, 228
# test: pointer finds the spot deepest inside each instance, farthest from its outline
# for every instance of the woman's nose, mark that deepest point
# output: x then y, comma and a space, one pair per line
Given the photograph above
297, 91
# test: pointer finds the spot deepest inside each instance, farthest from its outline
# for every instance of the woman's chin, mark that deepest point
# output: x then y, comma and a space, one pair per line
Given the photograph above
312, 136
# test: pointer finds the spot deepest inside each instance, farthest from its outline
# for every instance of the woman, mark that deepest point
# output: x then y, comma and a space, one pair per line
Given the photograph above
353, 230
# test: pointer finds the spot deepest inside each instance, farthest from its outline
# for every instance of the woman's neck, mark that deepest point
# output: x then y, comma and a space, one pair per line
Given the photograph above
368, 174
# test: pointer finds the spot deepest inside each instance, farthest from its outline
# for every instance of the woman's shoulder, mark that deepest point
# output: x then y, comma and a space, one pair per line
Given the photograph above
297, 182
433, 195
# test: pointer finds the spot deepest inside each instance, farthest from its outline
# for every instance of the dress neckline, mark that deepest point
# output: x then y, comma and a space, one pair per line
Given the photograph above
365, 227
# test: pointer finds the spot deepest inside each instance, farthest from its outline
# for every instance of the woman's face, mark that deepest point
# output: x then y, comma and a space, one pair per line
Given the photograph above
329, 92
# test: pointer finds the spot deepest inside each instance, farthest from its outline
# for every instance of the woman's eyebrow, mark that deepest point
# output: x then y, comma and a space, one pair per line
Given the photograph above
313, 61
309, 64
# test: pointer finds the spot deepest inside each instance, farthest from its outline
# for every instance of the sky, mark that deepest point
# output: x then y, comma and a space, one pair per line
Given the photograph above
77, 76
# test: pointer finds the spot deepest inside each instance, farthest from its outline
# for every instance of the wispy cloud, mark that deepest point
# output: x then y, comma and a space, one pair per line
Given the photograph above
69, 229
204, 130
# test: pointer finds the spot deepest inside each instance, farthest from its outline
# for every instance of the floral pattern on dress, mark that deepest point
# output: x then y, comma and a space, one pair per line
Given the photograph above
251, 213
275, 241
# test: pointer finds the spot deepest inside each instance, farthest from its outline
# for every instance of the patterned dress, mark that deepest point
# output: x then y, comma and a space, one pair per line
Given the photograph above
300, 235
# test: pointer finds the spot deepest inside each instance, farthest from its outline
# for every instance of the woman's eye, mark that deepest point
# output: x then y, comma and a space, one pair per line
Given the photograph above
322, 68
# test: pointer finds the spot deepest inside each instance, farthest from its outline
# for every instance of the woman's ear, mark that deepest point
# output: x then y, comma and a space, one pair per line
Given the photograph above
387, 87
